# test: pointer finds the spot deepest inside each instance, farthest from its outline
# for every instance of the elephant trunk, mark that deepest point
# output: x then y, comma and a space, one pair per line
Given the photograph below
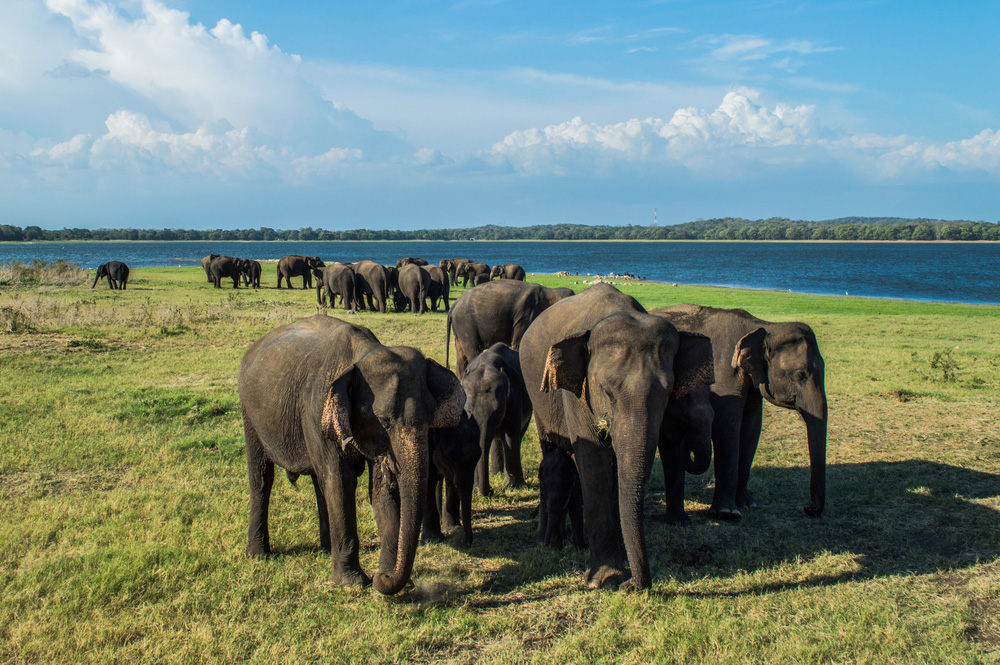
635, 452
411, 453
698, 453
816, 421
97, 277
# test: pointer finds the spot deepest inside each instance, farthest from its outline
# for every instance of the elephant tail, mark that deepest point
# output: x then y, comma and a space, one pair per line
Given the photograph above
292, 477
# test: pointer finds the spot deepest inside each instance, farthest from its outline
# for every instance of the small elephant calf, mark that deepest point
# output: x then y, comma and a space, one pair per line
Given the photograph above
454, 453
560, 497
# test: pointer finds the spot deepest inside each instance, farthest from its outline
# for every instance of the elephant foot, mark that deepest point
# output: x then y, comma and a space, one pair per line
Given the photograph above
678, 519
744, 499
350, 578
450, 522
812, 510
431, 536
606, 577
728, 514
258, 551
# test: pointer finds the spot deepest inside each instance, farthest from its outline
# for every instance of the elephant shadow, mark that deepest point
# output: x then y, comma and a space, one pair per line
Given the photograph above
888, 518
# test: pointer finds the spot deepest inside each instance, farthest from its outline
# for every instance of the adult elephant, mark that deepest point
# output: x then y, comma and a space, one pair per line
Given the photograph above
497, 399
322, 397
601, 372
336, 279
757, 360
410, 261
453, 267
116, 272
475, 272
372, 281
226, 266
206, 265
454, 452
295, 265
495, 312
413, 285
439, 287
507, 271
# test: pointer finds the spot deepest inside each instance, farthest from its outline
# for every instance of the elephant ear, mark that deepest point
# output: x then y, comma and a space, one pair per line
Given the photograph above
448, 393
336, 419
566, 364
694, 364
749, 356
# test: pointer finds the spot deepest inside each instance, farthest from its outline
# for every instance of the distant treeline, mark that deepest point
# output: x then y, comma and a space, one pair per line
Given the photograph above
728, 228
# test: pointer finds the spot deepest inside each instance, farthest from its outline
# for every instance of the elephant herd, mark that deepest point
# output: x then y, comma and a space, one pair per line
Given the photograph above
609, 385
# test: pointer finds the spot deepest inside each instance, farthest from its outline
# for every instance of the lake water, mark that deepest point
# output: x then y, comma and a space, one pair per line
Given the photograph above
946, 272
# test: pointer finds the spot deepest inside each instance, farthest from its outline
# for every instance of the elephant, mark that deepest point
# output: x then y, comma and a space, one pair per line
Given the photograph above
439, 287
372, 281
495, 312
507, 271
226, 266
414, 283
475, 272
453, 267
323, 397
454, 453
206, 264
685, 446
497, 399
410, 261
600, 372
251, 273
295, 265
335, 279
559, 497
116, 272
757, 360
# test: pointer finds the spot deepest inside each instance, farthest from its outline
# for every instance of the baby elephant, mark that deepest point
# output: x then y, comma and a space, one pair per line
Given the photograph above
115, 271
560, 496
496, 398
454, 453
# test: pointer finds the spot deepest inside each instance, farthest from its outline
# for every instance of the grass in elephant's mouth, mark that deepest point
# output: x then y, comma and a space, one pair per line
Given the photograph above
123, 482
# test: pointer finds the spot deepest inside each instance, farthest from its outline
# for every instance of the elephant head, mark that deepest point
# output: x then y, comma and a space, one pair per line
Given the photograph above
783, 362
625, 370
497, 271
102, 271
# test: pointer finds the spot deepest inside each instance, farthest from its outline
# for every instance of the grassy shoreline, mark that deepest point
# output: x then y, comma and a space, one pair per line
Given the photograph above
123, 483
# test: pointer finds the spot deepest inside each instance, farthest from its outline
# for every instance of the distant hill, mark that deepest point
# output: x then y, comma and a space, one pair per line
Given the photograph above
727, 228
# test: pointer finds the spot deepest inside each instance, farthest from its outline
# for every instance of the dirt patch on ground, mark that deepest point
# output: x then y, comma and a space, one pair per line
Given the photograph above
56, 343
45, 484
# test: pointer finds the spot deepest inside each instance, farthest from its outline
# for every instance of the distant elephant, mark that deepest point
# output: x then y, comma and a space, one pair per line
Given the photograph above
410, 261
475, 272
372, 280
497, 399
439, 287
322, 397
757, 360
251, 273
206, 264
454, 453
335, 279
116, 272
559, 498
685, 446
413, 285
225, 266
454, 267
601, 372
295, 265
507, 271
495, 312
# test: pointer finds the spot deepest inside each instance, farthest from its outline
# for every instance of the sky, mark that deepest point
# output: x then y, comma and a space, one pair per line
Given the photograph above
415, 114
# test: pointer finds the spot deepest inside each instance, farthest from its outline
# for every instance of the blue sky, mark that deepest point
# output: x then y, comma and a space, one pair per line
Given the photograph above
217, 113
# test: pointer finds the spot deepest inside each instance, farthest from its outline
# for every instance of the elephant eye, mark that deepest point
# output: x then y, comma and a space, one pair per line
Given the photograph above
607, 391
799, 376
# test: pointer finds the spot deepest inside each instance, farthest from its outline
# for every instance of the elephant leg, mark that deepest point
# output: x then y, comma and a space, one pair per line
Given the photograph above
513, 472
575, 509
672, 459
726, 448
599, 486
431, 530
496, 455
451, 516
324, 517
261, 476
753, 420
483, 466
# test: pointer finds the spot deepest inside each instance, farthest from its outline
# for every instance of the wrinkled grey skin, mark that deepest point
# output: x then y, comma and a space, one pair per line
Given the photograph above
332, 280
685, 446
206, 264
757, 360
507, 271
322, 397
372, 283
559, 498
251, 273
295, 265
225, 266
439, 287
495, 312
497, 399
116, 272
454, 453
475, 272
600, 373
412, 287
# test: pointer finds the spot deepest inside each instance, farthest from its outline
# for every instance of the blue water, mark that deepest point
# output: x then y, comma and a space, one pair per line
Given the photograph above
946, 272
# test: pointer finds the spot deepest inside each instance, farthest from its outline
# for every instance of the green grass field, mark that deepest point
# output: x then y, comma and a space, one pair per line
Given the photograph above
124, 503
